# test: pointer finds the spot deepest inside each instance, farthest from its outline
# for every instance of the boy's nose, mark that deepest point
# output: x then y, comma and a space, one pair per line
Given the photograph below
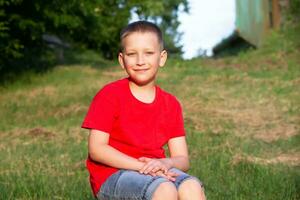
140, 60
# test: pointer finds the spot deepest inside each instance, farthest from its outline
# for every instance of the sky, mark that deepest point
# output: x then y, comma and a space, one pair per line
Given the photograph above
208, 22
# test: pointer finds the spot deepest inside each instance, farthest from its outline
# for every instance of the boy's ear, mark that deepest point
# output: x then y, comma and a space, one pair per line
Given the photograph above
163, 58
120, 59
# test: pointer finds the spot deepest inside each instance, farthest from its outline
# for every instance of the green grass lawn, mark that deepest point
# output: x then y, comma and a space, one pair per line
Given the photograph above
242, 117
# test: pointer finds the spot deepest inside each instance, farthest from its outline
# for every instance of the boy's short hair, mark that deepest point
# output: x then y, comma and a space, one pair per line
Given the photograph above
143, 27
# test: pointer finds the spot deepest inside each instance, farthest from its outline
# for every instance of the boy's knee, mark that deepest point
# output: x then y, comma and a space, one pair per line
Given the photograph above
191, 188
165, 190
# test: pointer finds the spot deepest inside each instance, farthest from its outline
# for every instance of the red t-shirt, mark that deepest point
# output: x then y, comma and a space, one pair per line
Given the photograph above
135, 128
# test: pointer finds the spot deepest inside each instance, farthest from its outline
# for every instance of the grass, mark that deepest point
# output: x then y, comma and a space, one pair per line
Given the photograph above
242, 118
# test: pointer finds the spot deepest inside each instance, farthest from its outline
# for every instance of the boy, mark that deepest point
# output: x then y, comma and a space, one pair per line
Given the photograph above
130, 120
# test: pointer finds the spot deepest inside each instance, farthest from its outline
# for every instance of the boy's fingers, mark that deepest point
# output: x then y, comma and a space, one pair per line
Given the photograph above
155, 169
149, 168
152, 174
171, 178
152, 165
146, 167
165, 170
167, 176
174, 174
160, 173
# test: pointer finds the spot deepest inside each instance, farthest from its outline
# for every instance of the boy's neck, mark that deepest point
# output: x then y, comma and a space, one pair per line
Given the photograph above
145, 93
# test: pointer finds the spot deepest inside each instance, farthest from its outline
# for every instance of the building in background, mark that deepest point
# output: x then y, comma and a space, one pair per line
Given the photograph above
254, 19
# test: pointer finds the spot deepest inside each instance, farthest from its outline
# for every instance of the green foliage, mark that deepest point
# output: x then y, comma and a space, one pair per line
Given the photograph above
92, 24
7, 48
295, 8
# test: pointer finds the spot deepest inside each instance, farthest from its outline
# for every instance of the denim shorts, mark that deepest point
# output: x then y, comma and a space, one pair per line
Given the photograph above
132, 185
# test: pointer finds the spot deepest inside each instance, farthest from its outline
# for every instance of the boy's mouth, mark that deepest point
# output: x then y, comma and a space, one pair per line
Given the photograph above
141, 70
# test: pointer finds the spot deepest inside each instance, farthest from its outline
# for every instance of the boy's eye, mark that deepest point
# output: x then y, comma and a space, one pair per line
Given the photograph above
130, 54
149, 52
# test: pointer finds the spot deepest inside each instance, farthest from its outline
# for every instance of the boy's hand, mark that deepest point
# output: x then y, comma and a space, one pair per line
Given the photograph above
158, 167
153, 165
169, 175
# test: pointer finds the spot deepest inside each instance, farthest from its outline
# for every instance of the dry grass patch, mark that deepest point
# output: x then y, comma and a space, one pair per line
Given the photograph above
115, 72
291, 159
264, 121
29, 95
281, 131
214, 107
78, 134
71, 109
43, 91
87, 69
78, 165
40, 132
14, 137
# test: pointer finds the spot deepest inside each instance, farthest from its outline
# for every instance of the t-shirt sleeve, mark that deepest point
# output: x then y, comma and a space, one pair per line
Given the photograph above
102, 112
177, 125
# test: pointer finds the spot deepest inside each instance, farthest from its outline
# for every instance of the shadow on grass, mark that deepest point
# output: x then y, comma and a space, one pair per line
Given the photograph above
86, 58
37, 61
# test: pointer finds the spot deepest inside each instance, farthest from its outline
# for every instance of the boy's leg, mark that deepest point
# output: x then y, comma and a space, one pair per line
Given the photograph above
166, 190
127, 184
188, 187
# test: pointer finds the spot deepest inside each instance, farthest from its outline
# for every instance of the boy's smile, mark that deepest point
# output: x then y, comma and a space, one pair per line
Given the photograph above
141, 57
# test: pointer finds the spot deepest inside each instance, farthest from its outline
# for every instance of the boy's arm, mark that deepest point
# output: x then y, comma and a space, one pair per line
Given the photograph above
178, 158
100, 151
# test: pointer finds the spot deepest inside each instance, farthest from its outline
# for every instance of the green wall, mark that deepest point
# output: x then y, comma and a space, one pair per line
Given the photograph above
252, 19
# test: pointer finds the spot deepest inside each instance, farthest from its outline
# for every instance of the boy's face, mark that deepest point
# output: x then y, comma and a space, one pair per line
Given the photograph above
141, 57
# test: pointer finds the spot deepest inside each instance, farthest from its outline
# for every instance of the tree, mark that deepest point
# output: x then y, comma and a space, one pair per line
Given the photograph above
295, 8
93, 24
